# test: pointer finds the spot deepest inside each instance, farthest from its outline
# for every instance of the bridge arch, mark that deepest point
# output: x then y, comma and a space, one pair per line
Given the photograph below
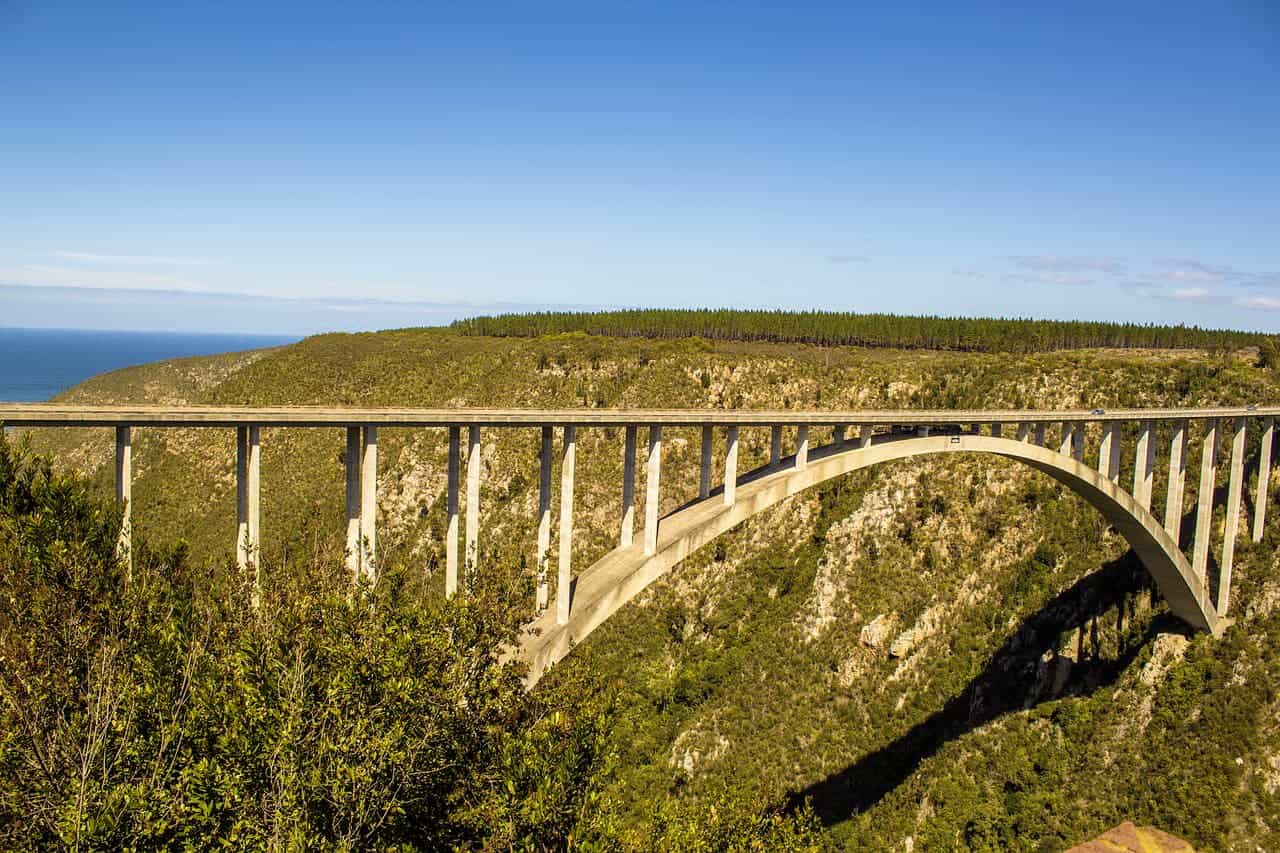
604, 587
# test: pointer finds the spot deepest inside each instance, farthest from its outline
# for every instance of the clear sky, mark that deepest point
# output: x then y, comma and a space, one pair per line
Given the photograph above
294, 168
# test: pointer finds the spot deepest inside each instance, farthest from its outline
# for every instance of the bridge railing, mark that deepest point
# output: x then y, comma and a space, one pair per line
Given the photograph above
1126, 445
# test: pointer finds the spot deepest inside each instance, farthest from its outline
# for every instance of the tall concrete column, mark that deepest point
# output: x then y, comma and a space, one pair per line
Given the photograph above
1264, 477
369, 502
838, 434
124, 495
802, 447
653, 470
566, 524
1177, 481
544, 516
1117, 447
1064, 446
472, 552
1235, 485
1204, 504
704, 475
1144, 462
254, 489
1024, 432
731, 466
1039, 435
996, 430
864, 436
775, 444
353, 501
1077, 442
242, 498
1109, 452
627, 534
451, 526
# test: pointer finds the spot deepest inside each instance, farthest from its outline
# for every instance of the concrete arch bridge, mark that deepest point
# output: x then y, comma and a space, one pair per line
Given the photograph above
1053, 442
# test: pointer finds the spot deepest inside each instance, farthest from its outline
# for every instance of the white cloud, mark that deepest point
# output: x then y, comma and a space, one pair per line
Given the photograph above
1197, 295
1194, 295
1191, 270
1069, 264
1260, 303
1045, 277
128, 259
36, 275
969, 273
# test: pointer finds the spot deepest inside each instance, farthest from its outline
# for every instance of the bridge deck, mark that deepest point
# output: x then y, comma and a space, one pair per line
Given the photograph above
56, 414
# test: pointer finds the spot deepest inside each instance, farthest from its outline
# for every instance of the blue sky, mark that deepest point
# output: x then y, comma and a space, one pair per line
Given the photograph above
340, 166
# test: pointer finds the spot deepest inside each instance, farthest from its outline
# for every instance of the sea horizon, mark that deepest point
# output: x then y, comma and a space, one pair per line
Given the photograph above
38, 363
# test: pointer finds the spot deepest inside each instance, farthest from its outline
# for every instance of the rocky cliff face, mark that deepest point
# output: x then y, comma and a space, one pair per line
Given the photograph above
1133, 839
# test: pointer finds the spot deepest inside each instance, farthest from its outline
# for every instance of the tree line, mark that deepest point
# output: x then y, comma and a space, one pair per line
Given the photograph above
835, 328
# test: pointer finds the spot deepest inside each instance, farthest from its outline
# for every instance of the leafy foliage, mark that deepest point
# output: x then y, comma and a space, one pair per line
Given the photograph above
153, 708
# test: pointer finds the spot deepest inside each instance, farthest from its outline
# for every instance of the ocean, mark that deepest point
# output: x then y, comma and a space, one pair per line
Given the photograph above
35, 364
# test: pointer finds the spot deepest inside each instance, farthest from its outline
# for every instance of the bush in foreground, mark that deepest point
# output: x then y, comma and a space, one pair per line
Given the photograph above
153, 707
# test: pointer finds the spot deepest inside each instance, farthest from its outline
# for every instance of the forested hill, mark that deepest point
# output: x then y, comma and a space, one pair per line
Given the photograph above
831, 328
938, 654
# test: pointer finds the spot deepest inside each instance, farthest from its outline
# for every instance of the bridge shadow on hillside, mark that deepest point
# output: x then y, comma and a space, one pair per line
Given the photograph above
1017, 677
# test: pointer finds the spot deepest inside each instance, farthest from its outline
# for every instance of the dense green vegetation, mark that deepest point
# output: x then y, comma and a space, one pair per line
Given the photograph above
152, 708
830, 328
955, 652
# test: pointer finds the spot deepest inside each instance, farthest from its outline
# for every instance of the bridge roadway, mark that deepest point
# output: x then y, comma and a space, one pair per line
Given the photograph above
57, 414
584, 601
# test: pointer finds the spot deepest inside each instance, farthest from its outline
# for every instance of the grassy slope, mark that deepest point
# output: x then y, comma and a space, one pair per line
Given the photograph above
1023, 690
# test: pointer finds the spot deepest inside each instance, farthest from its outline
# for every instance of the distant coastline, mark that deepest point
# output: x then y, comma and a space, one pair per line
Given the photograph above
36, 364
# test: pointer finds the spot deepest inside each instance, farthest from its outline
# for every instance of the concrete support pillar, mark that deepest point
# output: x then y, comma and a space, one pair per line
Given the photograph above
1204, 505
1117, 446
704, 477
255, 510
472, 552
838, 434
864, 435
124, 495
1024, 432
369, 503
242, 498
1264, 477
1039, 435
996, 430
775, 444
1109, 452
1077, 442
1177, 481
653, 470
1144, 463
451, 528
353, 501
731, 466
544, 516
627, 534
248, 498
566, 524
1235, 485
802, 447
1104, 452
1064, 446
